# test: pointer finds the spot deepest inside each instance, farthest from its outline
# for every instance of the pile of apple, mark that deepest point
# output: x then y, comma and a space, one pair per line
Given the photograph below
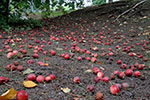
12, 67
40, 78
114, 89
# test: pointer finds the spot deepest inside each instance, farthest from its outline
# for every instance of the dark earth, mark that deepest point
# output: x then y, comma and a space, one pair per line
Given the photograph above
88, 29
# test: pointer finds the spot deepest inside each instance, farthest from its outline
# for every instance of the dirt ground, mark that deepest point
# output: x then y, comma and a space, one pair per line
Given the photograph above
89, 30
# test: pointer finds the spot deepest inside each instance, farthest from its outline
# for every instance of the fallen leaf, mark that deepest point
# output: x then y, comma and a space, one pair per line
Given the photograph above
100, 63
102, 68
84, 41
95, 48
56, 42
10, 94
66, 90
46, 64
29, 84
59, 48
28, 71
88, 71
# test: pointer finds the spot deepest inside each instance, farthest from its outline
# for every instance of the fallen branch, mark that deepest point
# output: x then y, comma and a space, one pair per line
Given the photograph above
138, 11
136, 5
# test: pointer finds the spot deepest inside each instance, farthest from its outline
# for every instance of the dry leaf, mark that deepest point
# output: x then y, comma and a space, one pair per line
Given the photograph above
88, 71
46, 64
29, 84
59, 48
100, 63
102, 68
10, 94
66, 90
95, 48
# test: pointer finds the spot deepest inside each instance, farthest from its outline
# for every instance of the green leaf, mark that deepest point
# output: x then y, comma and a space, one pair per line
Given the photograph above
28, 71
66, 90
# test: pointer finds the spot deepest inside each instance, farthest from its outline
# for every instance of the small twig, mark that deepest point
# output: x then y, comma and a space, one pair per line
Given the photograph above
74, 95
18, 82
8, 85
130, 9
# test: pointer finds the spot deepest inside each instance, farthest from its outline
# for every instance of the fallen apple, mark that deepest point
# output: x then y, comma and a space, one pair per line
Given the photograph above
40, 79
114, 89
76, 80
22, 95
31, 77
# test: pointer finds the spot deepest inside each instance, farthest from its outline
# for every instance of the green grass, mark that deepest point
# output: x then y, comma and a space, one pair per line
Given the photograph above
38, 15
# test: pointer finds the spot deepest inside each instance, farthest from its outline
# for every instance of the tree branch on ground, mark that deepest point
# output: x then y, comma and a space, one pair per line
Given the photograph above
136, 5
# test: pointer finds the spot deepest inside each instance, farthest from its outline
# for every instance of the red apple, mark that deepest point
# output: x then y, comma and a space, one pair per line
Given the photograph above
112, 76
128, 72
40, 79
116, 72
52, 76
117, 47
140, 67
76, 80
96, 70
48, 79
9, 50
123, 66
90, 88
19, 67
29, 46
121, 75
31, 77
137, 74
3, 79
9, 55
93, 59
111, 54
87, 52
114, 89
35, 55
79, 58
53, 53
100, 75
97, 79
119, 62
24, 51
10, 67
22, 95
44, 52
88, 58
67, 56
106, 79
132, 54
49, 43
